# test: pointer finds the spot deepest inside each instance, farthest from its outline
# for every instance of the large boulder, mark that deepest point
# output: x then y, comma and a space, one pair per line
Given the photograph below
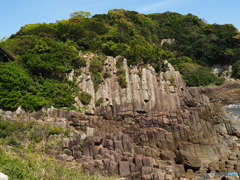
167, 155
189, 161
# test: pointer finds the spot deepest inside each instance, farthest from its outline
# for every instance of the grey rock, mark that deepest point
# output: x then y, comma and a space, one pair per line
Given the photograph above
90, 131
3, 176
19, 111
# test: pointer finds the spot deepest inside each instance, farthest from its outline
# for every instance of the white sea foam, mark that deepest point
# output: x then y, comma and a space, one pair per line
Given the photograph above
233, 106
233, 109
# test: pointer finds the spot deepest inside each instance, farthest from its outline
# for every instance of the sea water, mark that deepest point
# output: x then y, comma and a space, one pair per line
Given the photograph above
233, 109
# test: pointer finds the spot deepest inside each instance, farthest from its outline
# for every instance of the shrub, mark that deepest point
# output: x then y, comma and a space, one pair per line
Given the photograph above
81, 62
219, 81
106, 75
181, 64
121, 73
19, 88
96, 67
85, 98
97, 79
56, 130
36, 136
7, 128
119, 63
236, 70
172, 81
67, 133
201, 77
99, 102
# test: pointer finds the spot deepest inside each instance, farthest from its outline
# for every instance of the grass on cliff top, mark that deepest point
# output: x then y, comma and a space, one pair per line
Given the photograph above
22, 146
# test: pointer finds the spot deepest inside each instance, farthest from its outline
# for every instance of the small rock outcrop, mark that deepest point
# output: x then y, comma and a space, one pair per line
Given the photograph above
224, 71
3, 176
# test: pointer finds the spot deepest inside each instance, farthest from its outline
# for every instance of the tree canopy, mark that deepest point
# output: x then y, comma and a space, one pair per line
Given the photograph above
45, 52
80, 14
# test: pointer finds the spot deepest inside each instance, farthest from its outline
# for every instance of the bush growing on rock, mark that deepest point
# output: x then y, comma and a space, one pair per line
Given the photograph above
106, 75
96, 68
56, 130
85, 98
80, 62
121, 73
96, 65
99, 101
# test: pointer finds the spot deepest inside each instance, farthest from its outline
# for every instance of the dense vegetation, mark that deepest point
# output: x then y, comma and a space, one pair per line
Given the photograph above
46, 52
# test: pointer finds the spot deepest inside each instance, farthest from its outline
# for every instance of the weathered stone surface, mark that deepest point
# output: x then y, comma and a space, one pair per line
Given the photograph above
124, 168
188, 160
127, 146
168, 177
77, 153
136, 176
155, 128
138, 162
61, 157
147, 177
108, 143
89, 167
167, 155
113, 167
19, 111
98, 164
67, 152
90, 131
147, 161
96, 139
146, 170
51, 152
118, 145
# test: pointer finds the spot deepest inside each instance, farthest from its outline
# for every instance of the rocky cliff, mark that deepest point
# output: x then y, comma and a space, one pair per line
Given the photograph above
158, 116
155, 128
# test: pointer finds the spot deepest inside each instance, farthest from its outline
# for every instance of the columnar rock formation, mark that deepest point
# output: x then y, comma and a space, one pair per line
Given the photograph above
155, 128
146, 90
158, 116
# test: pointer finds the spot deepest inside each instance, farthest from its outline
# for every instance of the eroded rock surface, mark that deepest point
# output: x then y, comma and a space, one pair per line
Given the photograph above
156, 128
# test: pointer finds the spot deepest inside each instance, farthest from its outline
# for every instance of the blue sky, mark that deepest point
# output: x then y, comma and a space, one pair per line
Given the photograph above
16, 13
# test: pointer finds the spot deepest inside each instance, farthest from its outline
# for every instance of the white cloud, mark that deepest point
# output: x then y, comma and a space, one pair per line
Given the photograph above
161, 4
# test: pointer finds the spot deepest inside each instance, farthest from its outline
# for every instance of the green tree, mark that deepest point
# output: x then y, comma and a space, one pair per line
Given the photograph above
236, 70
18, 88
201, 77
80, 14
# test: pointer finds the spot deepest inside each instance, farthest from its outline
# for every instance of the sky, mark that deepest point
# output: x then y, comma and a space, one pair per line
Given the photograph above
14, 14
